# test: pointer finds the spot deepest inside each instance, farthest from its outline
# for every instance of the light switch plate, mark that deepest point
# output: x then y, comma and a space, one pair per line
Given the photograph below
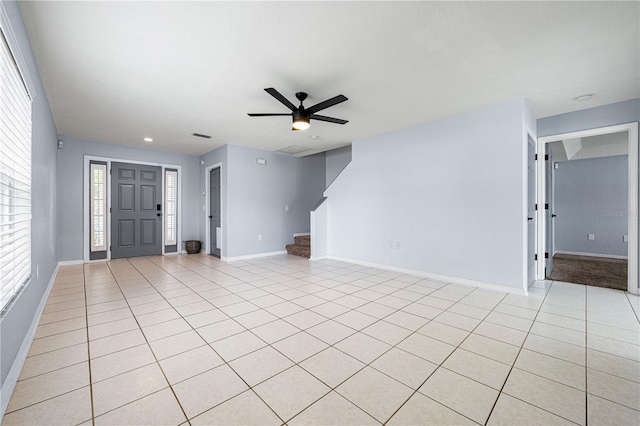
592, 237
625, 238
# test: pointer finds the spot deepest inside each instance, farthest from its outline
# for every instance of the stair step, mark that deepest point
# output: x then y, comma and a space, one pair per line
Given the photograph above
299, 250
304, 240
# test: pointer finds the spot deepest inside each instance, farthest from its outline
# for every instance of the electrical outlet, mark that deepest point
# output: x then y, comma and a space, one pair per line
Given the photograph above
625, 238
259, 237
37, 271
286, 208
592, 237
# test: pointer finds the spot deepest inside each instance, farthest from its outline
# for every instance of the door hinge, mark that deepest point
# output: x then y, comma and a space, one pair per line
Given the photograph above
109, 209
536, 157
546, 157
546, 255
110, 171
536, 206
536, 257
546, 206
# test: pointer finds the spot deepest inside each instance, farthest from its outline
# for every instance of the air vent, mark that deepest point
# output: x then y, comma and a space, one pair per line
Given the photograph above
201, 135
293, 149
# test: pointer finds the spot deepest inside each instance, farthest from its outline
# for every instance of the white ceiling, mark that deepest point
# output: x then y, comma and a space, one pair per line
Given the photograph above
120, 71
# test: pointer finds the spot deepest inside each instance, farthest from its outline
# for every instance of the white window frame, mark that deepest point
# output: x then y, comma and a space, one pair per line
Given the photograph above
171, 207
15, 163
96, 210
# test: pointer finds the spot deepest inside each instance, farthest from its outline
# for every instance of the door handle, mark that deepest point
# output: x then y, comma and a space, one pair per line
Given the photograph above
210, 217
529, 218
158, 214
553, 215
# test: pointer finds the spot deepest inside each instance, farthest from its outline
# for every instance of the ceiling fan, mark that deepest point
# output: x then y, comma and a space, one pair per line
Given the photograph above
301, 115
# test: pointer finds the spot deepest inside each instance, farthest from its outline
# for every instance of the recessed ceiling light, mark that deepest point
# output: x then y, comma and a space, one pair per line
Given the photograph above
314, 137
583, 98
148, 139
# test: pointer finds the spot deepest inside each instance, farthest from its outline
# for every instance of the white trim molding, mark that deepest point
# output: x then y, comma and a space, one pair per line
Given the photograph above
302, 234
77, 262
436, 277
632, 132
253, 256
14, 373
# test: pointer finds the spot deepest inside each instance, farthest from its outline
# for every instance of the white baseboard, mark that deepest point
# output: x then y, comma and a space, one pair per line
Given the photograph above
323, 257
253, 256
14, 373
436, 277
71, 262
577, 253
302, 234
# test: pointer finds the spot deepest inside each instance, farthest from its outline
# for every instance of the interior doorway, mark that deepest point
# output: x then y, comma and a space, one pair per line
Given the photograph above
584, 224
588, 194
215, 212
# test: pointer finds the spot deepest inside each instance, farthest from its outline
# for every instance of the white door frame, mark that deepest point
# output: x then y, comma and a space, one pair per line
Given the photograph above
87, 199
207, 222
632, 132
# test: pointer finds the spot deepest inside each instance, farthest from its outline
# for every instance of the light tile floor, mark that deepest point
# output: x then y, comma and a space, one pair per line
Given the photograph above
187, 338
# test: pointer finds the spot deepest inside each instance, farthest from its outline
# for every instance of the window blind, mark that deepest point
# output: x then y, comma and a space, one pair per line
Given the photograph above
15, 179
171, 197
98, 207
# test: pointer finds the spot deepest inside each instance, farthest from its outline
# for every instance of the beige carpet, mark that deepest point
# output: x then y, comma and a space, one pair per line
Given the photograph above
596, 271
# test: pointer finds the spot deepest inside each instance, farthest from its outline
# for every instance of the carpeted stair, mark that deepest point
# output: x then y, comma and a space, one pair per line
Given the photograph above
301, 246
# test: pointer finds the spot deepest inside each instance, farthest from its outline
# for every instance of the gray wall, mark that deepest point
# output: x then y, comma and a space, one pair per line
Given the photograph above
591, 197
592, 118
311, 178
70, 189
257, 195
337, 160
254, 197
451, 192
15, 323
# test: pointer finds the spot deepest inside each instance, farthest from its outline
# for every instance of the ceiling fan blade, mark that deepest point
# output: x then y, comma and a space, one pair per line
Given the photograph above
273, 92
326, 104
328, 119
267, 114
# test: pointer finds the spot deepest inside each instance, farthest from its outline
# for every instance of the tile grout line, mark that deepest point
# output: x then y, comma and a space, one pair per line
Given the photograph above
151, 350
516, 360
441, 365
586, 356
360, 331
224, 363
86, 308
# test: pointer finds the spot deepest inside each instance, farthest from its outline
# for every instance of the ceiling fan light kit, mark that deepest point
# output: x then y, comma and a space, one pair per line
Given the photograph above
302, 116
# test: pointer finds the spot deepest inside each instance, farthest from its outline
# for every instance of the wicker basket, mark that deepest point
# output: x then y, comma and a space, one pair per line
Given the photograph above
192, 246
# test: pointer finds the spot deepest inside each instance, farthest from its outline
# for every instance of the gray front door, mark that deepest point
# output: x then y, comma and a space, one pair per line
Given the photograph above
214, 212
136, 212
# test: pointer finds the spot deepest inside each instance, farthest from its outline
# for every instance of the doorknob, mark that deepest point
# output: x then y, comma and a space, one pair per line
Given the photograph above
158, 214
553, 215
529, 218
210, 217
